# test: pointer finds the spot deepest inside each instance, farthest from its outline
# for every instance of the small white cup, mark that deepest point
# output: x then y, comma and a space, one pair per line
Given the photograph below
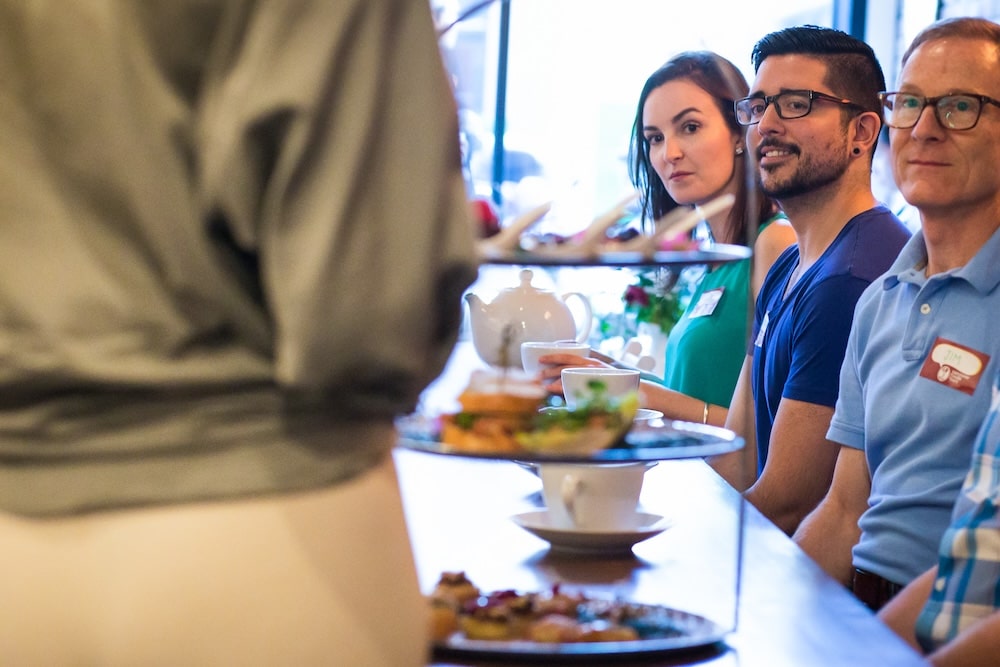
531, 351
617, 382
591, 496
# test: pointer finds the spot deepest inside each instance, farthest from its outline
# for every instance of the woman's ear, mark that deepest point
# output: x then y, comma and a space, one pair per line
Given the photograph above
738, 144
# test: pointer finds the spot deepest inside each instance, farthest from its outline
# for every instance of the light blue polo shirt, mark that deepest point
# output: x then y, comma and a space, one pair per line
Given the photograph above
916, 424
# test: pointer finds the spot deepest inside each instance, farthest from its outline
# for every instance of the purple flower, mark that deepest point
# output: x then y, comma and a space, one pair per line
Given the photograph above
635, 295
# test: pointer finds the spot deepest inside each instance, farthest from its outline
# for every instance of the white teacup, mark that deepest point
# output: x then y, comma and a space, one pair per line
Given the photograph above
576, 382
600, 497
532, 351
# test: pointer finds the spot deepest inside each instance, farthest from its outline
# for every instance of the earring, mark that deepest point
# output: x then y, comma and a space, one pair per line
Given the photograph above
739, 150
856, 151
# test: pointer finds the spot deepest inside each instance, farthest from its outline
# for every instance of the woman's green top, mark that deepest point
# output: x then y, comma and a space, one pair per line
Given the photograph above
706, 348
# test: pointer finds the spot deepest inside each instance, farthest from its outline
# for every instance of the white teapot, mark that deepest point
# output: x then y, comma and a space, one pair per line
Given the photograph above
523, 313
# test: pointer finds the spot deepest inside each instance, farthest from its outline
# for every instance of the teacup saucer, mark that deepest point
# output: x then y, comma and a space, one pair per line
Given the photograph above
641, 414
587, 541
645, 414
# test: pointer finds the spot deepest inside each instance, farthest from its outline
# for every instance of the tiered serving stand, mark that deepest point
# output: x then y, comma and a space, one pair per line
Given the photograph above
705, 607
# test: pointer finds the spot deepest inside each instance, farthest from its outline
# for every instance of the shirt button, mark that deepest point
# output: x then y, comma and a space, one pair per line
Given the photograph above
939, 584
925, 308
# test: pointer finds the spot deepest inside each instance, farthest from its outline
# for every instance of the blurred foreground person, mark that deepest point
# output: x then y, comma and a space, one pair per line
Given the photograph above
233, 237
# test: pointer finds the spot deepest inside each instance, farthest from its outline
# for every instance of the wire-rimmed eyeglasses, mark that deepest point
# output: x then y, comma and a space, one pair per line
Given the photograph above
789, 104
957, 111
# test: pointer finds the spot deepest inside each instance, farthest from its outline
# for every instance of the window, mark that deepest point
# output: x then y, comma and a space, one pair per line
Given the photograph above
573, 74
559, 80
986, 8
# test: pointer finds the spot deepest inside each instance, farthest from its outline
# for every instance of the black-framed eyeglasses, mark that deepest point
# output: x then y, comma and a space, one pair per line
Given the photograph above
957, 111
789, 105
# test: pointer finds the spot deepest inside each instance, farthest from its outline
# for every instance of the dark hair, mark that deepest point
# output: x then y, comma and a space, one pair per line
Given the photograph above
723, 81
963, 27
852, 70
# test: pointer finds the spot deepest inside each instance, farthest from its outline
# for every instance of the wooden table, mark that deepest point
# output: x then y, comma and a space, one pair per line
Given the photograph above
789, 612
783, 610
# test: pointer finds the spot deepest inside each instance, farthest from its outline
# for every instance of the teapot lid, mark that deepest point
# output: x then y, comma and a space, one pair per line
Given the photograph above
525, 277
527, 295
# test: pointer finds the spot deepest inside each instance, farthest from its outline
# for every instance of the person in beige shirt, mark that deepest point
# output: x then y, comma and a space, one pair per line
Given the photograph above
233, 237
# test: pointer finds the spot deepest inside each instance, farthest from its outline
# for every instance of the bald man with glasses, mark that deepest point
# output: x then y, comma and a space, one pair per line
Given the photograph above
812, 121
919, 372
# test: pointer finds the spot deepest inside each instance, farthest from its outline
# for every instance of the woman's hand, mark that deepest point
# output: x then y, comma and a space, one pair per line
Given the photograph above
552, 365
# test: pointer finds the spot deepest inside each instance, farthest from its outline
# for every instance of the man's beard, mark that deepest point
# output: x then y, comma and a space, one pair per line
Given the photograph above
811, 175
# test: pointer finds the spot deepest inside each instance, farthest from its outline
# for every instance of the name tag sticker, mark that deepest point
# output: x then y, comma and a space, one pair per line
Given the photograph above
954, 365
759, 341
707, 303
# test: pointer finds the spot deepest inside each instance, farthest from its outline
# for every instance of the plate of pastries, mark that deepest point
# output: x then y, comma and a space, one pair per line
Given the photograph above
509, 415
560, 621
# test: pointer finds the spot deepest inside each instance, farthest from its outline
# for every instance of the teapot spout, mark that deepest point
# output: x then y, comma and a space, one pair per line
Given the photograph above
485, 333
473, 300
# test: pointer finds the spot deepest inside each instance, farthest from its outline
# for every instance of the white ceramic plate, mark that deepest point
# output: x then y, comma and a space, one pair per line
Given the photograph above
591, 542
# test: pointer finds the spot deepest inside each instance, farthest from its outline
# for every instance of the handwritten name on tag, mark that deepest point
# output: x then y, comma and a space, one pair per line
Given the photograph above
954, 365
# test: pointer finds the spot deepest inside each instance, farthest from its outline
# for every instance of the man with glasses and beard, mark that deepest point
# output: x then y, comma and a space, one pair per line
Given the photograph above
812, 121
908, 429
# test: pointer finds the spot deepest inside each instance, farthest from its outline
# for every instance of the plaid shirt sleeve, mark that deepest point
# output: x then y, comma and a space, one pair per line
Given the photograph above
967, 587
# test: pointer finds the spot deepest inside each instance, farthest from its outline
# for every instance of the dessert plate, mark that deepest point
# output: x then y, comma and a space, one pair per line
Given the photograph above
690, 631
718, 253
661, 630
596, 542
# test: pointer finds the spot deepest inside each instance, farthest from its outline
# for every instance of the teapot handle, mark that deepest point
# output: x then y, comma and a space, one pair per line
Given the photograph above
582, 329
